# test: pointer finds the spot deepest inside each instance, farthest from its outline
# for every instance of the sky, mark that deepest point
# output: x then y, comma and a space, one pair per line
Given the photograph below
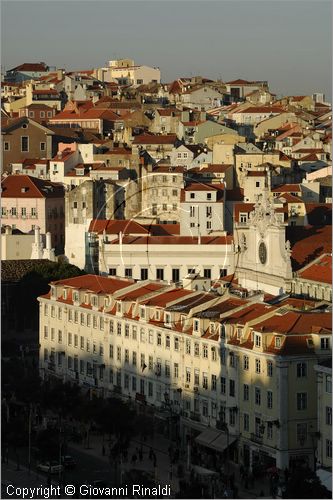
287, 42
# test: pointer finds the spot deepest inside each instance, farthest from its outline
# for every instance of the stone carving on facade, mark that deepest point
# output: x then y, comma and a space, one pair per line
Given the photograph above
263, 215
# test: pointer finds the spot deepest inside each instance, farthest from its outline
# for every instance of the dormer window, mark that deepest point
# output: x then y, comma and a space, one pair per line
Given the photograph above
257, 340
142, 312
53, 292
157, 314
278, 342
65, 294
196, 325
167, 319
119, 307
76, 296
211, 327
325, 343
94, 301
86, 298
106, 302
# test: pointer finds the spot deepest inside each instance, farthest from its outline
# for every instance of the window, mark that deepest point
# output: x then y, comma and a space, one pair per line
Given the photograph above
301, 401
325, 343
269, 399
232, 417
269, 430
257, 340
118, 353
167, 342
328, 412
208, 225
23, 212
196, 377
150, 337
205, 380
245, 362
59, 336
118, 328
257, 184
144, 274
192, 196
301, 433
160, 274
43, 146
7, 146
111, 351
150, 363
134, 358
142, 335
278, 342
126, 331
329, 384
232, 388
258, 366
301, 370
167, 369
196, 325
133, 383
223, 273
214, 355
126, 356
207, 273
196, 349
188, 347
213, 384
70, 338
209, 196
176, 370
150, 389
46, 334
269, 369
246, 422
223, 385
257, 394
112, 271
128, 272
88, 346
159, 339
246, 392
328, 448
24, 144
175, 275
76, 340
205, 351
192, 211
188, 375
134, 332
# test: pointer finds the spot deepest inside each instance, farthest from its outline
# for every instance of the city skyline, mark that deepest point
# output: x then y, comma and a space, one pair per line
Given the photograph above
175, 37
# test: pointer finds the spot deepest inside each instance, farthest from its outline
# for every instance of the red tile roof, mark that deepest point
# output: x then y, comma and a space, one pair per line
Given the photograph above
31, 67
139, 292
308, 242
164, 298
262, 109
174, 240
25, 186
116, 226
94, 283
287, 188
199, 186
295, 323
155, 139
320, 270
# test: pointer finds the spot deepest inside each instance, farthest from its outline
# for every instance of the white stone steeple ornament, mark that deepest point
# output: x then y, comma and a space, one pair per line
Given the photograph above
263, 214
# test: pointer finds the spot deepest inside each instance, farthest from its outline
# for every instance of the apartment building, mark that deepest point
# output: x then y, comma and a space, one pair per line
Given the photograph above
28, 202
323, 434
218, 360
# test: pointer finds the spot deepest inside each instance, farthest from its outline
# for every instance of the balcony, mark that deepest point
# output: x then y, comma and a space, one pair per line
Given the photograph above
256, 438
195, 416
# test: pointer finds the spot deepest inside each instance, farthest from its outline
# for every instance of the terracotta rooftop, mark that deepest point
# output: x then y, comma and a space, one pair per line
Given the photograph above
116, 226
25, 186
308, 243
320, 270
155, 139
94, 283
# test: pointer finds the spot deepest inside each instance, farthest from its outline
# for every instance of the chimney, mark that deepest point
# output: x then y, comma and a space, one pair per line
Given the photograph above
37, 235
48, 241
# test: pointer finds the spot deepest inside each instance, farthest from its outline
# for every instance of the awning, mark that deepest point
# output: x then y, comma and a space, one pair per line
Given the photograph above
214, 439
325, 477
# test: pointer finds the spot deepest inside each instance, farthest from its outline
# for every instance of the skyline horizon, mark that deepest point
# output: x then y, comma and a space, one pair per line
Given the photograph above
252, 47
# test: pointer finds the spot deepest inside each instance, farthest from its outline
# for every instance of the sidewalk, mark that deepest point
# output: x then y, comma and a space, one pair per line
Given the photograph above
22, 477
160, 446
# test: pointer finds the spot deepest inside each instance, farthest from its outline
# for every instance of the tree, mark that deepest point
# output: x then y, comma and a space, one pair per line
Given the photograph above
304, 483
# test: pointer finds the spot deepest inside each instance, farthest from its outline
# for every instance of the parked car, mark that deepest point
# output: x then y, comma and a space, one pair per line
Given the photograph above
68, 462
50, 467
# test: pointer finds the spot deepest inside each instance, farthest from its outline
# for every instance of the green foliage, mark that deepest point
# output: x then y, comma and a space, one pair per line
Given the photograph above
304, 483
